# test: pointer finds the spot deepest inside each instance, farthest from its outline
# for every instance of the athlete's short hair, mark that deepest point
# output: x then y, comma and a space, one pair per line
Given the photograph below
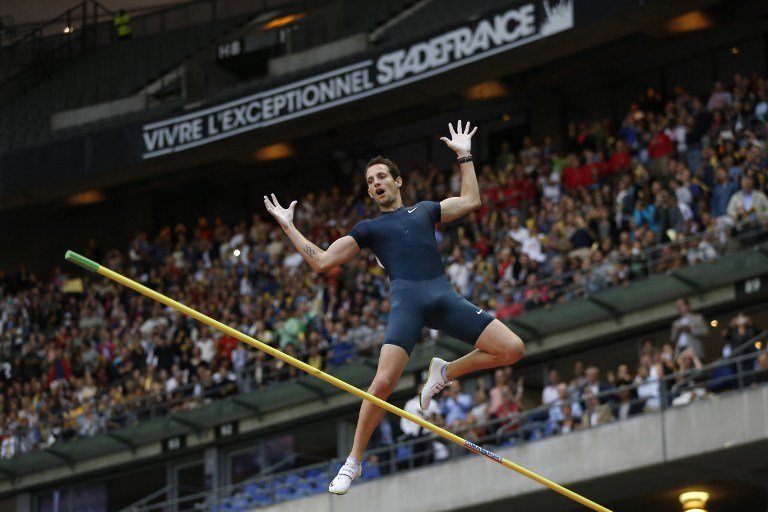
389, 164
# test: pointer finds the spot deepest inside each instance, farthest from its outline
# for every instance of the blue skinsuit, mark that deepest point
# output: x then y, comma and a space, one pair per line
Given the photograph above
420, 292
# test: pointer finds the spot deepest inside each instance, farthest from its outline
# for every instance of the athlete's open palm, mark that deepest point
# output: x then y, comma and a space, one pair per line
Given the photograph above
461, 139
284, 216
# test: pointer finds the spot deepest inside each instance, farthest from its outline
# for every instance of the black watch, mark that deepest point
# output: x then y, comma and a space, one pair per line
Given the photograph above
464, 159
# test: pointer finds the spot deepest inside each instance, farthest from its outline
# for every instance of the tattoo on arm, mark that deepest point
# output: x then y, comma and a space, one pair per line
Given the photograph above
310, 250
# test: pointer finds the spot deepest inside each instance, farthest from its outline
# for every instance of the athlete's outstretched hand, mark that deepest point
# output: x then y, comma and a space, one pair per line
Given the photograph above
461, 139
284, 216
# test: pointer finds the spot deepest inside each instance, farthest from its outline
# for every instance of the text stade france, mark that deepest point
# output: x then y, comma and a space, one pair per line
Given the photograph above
449, 50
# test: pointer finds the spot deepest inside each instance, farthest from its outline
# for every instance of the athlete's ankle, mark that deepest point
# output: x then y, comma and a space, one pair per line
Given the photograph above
445, 371
352, 459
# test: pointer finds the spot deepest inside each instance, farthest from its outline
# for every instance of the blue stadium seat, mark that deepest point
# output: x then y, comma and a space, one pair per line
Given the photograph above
291, 479
371, 472
403, 453
261, 499
240, 503
284, 494
225, 505
304, 489
311, 473
340, 352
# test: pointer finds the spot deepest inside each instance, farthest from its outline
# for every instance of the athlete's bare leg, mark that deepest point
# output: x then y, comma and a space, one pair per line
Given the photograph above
496, 346
392, 361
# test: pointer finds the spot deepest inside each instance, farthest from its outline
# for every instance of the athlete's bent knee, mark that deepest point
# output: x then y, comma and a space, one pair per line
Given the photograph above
513, 350
382, 386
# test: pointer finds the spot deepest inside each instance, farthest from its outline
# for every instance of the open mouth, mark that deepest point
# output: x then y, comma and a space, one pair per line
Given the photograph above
379, 191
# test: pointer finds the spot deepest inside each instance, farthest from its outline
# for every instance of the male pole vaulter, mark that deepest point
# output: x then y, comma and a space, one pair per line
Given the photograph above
403, 240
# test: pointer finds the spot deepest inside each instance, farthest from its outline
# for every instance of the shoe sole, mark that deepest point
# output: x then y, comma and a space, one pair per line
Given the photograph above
429, 374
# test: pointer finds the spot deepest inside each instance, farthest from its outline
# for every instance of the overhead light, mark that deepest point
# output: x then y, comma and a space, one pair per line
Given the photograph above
758, 345
236, 252
690, 21
486, 90
735, 50
86, 197
694, 501
506, 117
282, 21
273, 152
713, 323
68, 29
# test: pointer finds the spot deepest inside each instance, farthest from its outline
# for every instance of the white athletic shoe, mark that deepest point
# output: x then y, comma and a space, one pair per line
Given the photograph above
435, 382
348, 472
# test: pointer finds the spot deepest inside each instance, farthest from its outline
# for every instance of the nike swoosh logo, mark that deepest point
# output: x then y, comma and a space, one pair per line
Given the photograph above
479, 311
414, 209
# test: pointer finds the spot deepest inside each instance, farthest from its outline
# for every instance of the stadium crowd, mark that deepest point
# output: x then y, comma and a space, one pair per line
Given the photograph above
680, 181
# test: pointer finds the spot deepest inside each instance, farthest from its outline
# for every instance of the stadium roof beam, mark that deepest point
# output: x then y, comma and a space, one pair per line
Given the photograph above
314, 388
450, 347
123, 440
187, 423
62, 456
526, 327
610, 308
687, 281
7, 472
251, 407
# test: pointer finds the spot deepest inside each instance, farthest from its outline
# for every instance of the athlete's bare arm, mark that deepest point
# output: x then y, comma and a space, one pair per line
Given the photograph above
455, 207
339, 252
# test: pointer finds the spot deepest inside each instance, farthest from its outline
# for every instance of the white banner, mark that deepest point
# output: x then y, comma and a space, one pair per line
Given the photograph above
509, 29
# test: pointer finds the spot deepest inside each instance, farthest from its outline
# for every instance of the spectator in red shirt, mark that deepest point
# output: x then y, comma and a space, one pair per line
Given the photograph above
508, 308
660, 145
504, 261
659, 149
523, 186
572, 174
509, 410
620, 160
226, 345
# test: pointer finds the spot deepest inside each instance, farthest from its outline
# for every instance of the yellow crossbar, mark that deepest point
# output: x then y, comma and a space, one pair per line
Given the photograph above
95, 267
